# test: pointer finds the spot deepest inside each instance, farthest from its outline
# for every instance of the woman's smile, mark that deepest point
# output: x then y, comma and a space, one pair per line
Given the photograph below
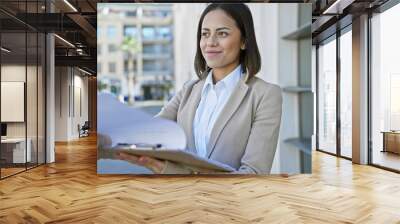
211, 54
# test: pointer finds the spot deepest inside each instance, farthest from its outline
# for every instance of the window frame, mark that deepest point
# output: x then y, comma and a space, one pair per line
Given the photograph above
333, 37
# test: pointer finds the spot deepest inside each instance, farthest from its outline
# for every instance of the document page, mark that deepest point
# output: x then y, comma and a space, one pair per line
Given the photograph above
124, 124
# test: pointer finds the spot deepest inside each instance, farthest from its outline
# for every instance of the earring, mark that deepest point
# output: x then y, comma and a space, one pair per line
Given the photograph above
246, 75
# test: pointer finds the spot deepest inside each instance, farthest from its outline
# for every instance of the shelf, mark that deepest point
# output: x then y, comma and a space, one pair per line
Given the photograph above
303, 144
296, 89
302, 32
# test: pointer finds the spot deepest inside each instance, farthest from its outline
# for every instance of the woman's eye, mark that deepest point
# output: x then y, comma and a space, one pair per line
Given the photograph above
204, 34
222, 34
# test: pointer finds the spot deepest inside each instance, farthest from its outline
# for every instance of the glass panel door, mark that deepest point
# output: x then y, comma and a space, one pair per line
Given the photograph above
327, 96
13, 110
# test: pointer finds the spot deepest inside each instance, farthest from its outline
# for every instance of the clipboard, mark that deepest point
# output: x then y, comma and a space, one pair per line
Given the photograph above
174, 155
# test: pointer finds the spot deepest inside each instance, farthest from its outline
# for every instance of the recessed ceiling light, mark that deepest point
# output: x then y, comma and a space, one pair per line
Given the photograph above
337, 7
86, 72
64, 40
5, 49
70, 5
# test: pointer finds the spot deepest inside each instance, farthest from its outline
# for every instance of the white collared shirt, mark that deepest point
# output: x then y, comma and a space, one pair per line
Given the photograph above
213, 100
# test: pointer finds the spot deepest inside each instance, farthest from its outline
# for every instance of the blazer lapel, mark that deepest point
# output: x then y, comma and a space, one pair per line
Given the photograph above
190, 112
230, 107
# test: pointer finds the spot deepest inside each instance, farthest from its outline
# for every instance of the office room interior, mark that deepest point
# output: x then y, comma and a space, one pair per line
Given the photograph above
55, 58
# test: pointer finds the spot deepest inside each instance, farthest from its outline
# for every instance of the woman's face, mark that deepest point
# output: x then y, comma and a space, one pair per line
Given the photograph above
220, 40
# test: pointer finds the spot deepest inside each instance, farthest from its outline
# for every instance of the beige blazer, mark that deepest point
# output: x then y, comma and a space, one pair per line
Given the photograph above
246, 132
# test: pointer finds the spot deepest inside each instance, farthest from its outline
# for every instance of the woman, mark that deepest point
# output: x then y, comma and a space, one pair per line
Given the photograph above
228, 114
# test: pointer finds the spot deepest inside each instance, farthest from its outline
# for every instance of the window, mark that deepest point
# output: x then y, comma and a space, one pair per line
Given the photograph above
111, 67
153, 49
156, 65
346, 94
130, 31
385, 88
333, 137
149, 33
130, 13
394, 102
150, 65
112, 48
165, 32
327, 96
111, 31
156, 13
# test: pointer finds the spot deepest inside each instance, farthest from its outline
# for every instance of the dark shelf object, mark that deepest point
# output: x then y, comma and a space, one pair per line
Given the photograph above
296, 89
302, 32
303, 144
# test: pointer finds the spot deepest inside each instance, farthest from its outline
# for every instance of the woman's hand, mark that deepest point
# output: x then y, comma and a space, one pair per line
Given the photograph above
155, 165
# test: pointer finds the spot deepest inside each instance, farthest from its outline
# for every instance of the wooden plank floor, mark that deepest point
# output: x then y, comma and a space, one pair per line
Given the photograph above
70, 191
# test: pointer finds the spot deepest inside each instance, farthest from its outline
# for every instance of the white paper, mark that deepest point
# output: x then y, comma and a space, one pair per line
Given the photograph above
124, 124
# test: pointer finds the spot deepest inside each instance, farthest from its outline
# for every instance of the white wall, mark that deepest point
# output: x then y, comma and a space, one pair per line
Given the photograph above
69, 85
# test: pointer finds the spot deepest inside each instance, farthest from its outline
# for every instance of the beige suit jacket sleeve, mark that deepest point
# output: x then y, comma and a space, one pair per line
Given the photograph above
170, 110
263, 139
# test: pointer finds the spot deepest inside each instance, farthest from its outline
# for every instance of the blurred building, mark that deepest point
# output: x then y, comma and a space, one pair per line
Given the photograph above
147, 69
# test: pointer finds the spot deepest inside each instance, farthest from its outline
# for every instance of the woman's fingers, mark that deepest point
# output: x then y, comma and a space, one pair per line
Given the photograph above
154, 164
127, 157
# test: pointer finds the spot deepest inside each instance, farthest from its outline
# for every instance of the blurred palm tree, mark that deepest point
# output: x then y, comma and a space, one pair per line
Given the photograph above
131, 47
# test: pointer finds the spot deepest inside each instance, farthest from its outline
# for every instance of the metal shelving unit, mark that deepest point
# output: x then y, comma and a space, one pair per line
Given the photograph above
302, 142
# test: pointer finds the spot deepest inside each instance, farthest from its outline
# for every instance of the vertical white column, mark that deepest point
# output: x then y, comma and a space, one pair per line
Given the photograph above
50, 99
360, 90
50, 93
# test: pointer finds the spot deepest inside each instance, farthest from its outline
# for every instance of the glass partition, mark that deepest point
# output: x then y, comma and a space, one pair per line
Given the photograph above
327, 96
346, 93
13, 108
22, 89
41, 96
31, 98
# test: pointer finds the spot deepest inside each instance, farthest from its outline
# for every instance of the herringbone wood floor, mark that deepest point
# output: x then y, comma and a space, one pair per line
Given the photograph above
70, 191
